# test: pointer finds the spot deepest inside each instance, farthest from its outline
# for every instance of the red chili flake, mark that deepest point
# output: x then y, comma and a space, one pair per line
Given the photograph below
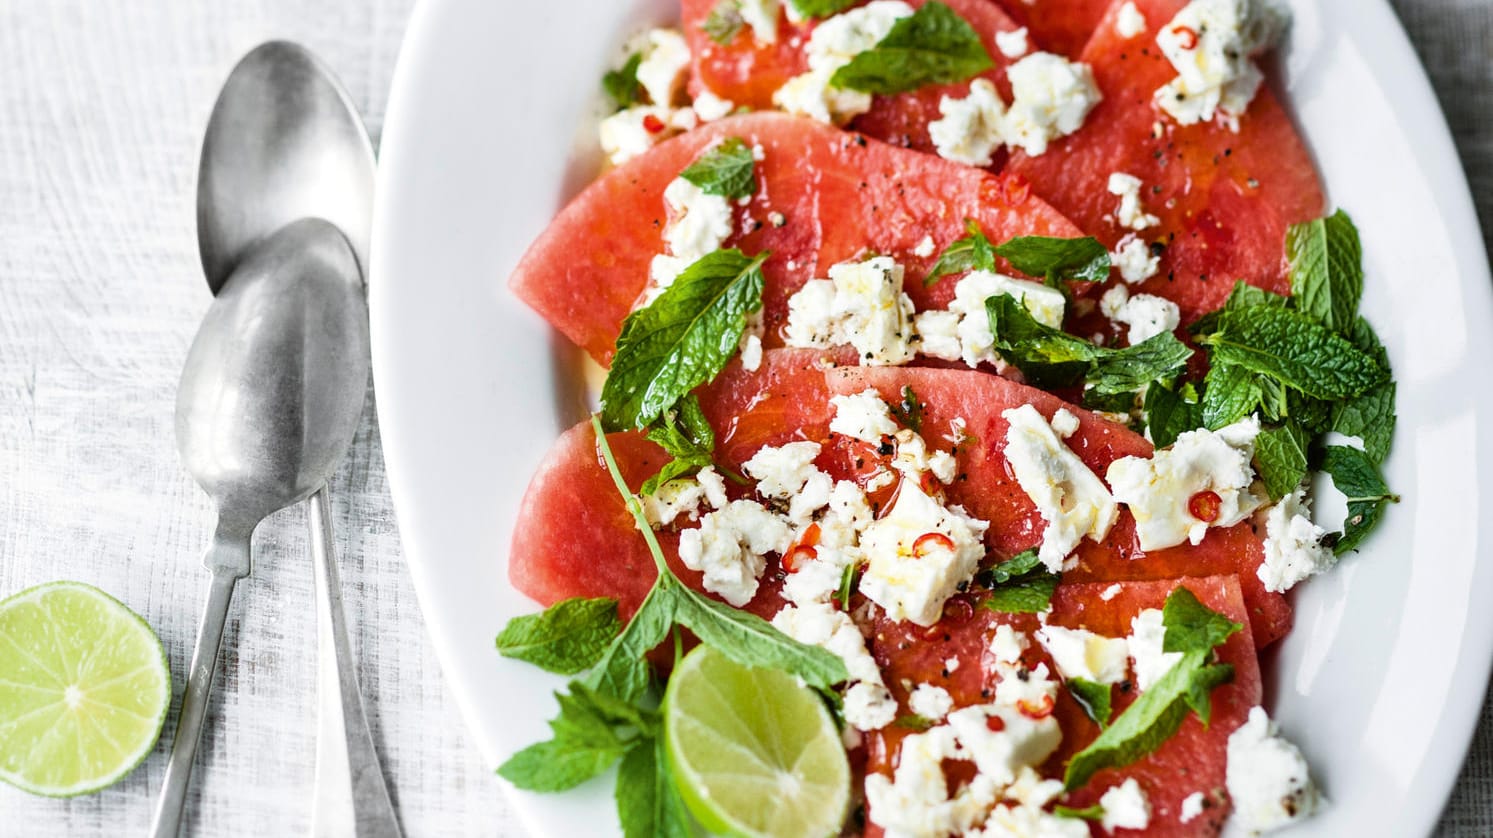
811, 535
929, 541
793, 560
1188, 37
1205, 506
928, 483
1039, 711
652, 124
995, 724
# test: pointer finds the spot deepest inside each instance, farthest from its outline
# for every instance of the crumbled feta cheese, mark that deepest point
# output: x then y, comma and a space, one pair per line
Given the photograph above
762, 16
1131, 213
1268, 779
714, 485
1129, 22
1135, 260
1083, 654
1050, 97
1147, 315
729, 548
868, 703
1064, 423
1192, 806
698, 221
1210, 43
1071, 499
1111, 592
1013, 44
1125, 807
832, 45
951, 664
781, 472
1030, 691
925, 247
1147, 642
916, 801
918, 556
672, 499
627, 133
1000, 754
1028, 822
863, 416
944, 466
970, 130
661, 72
751, 352
930, 702
710, 107
1161, 491
1293, 544
861, 304
1007, 644
962, 333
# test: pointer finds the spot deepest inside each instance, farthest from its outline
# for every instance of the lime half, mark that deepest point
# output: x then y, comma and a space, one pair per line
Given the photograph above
84, 687
753, 751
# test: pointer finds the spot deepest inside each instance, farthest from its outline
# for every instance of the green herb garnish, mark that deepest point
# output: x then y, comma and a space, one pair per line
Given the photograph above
931, 46
728, 170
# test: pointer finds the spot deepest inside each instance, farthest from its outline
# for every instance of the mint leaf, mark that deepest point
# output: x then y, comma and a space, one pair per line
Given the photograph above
1286, 345
1243, 295
1091, 813
913, 721
931, 46
623, 670
1083, 260
1280, 458
1019, 585
820, 8
728, 170
1371, 416
752, 641
1230, 393
1051, 357
685, 434
1022, 564
1171, 413
1357, 477
974, 252
724, 22
848, 579
1326, 270
621, 85
648, 803
588, 738
909, 411
682, 339
569, 637
1159, 711
1133, 368
1192, 626
1093, 698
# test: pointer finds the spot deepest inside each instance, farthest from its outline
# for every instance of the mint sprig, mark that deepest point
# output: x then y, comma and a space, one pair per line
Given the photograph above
1357, 476
648, 802
1052, 357
727, 170
933, 45
1019, 585
973, 252
1057, 259
1290, 347
1093, 698
568, 637
686, 436
1193, 630
1281, 458
724, 22
621, 85
820, 8
1171, 412
682, 339
1326, 270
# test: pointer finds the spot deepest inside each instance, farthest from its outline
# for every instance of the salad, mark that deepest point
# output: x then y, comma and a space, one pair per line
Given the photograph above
968, 366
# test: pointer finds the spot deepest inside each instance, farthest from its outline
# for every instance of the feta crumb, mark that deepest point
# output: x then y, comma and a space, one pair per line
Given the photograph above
1000, 754
951, 664
832, 45
698, 221
1210, 43
863, 416
970, 128
924, 248
1192, 806
1125, 807
661, 72
1078, 653
944, 466
1268, 778
930, 702
1135, 260
861, 304
1129, 22
1013, 44
962, 332
729, 548
674, 498
710, 107
907, 573
916, 800
1071, 499
751, 352
868, 703
1111, 592
625, 134
1064, 423
762, 16
1160, 491
781, 472
714, 485
1007, 644
1028, 822
1147, 641
1293, 544
1145, 314
1050, 97
1131, 213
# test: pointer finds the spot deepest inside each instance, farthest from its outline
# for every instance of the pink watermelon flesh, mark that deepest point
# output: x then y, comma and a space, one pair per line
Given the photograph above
748, 73
1193, 760
840, 195
989, 491
1224, 198
1060, 26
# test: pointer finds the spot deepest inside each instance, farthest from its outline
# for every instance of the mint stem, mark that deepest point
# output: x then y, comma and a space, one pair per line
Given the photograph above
634, 505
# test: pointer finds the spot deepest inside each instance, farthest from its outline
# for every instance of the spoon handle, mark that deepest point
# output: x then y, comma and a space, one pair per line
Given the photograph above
351, 796
228, 559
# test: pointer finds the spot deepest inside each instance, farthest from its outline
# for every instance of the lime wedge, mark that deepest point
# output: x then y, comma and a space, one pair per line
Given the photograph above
84, 688
753, 751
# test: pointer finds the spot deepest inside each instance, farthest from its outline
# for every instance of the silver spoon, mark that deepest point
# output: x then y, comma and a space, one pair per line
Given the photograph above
285, 142
269, 399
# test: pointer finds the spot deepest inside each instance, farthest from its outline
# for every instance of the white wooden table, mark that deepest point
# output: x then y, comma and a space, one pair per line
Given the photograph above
101, 110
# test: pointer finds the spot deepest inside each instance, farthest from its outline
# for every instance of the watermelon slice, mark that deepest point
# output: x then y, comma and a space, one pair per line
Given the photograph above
989, 491
1060, 26
1193, 760
839, 194
747, 72
1224, 198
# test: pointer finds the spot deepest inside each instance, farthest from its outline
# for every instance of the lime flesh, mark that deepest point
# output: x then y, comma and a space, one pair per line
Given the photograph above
84, 688
753, 751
